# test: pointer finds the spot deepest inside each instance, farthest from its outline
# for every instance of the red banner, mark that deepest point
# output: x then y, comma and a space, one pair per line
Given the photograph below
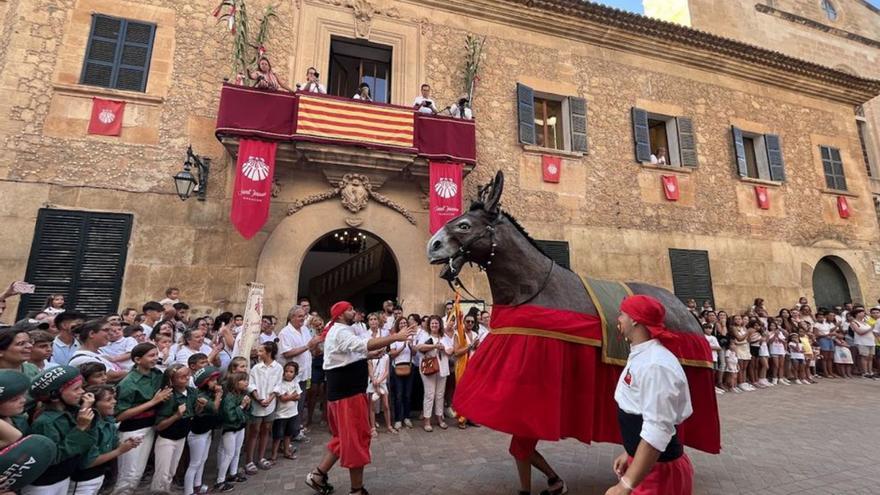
106, 117
445, 199
670, 187
842, 207
762, 197
253, 186
551, 167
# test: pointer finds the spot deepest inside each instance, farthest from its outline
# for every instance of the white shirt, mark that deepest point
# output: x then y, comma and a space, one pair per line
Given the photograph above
444, 356
287, 409
405, 355
122, 346
389, 322
862, 339
148, 330
291, 338
713, 343
657, 390
456, 113
824, 328
264, 379
360, 328
482, 333
180, 353
312, 88
61, 352
343, 346
358, 97
431, 109
82, 356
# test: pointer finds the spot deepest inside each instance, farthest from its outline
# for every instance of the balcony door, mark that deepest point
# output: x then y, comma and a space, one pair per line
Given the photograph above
355, 61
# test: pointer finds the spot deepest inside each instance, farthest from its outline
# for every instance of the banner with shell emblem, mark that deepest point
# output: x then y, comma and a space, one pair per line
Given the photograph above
106, 117
445, 194
253, 186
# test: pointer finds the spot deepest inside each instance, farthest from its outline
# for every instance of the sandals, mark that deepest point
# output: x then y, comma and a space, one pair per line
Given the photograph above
317, 480
443, 425
562, 490
251, 469
428, 428
265, 465
392, 430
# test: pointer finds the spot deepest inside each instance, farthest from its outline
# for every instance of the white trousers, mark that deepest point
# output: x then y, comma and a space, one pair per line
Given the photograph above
166, 456
435, 389
59, 488
227, 457
132, 463
199, 446
89, 487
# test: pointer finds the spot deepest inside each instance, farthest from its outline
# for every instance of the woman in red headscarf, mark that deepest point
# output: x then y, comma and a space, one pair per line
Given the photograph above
652, 398
347, 374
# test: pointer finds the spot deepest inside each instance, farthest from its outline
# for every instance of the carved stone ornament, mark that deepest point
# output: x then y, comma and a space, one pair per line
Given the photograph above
364, 10
355, 191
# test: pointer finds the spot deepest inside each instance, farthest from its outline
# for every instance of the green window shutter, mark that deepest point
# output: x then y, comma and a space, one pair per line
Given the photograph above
577, 108
99, 68
134, 59
525, 108
691, 275
556, 251
774, 157
687, 142
641, 135
118, 54
739, 151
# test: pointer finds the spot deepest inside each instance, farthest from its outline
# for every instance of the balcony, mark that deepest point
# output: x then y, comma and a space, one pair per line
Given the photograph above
341, 135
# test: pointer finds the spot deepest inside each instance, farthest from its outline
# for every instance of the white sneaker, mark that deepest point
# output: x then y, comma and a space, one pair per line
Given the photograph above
775, 381
798, 382
745, 387
765, 382
719, 390
397, 425
407, 422
750, 387
736, 390
786, 381
450, 413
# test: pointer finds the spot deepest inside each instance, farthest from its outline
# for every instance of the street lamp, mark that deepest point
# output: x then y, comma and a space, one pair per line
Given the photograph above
185, 182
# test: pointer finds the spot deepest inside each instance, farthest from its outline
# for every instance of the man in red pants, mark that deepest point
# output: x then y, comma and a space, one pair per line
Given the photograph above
345, 367
652, 398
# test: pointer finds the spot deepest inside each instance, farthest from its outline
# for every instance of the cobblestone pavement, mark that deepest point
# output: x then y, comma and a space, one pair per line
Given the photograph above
816, 439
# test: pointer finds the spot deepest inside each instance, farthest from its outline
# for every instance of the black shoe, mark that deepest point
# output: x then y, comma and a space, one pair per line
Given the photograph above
238, 478
223, 487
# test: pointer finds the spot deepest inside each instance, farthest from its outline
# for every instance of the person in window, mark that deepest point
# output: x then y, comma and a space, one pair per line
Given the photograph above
266, 77
423, 103
312, 85
659, 157
461, 109
363, 92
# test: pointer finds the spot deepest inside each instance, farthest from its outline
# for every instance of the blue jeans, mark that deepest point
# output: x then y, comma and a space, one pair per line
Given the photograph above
402, 386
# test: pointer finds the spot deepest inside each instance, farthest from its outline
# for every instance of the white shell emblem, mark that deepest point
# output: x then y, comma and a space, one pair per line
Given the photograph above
553, 169
762, 197
843, 206
671, 187
106, 116
446, 187
255, 168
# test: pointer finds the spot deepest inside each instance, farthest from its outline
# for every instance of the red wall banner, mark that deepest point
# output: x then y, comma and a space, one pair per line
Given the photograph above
670, 187
253, 186
551, 167
445, 198
762, 197
842, 207
106, 117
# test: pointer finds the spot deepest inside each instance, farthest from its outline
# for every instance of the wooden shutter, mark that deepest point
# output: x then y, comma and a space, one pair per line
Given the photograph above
118, 54
687, 142
577, 109
691, 275
525, 108
833, 168
739, 151
81, 255
99, 68
556, 251
774, 157
641, 135
134, 59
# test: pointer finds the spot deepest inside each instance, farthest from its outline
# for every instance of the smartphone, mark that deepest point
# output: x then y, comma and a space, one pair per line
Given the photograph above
24, 287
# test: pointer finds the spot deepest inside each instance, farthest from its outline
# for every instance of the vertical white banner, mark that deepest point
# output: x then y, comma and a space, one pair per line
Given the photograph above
253, 316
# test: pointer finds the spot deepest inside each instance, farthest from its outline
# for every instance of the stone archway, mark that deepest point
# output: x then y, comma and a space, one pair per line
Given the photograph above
280, 261
834, 282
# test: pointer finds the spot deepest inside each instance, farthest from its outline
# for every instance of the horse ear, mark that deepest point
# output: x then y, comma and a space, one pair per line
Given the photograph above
493, 202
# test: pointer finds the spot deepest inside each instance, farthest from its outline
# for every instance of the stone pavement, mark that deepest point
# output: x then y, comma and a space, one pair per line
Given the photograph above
808, 439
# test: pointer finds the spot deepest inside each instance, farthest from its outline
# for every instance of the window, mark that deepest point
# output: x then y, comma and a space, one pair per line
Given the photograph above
691, 277
758, 156
118, 54
662, 139
353, 62
830, 10
79, 254
556, 251
551, 121
833, 167
864, 137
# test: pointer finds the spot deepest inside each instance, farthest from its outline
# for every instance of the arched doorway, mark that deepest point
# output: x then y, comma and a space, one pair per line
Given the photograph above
832, 280
348, 264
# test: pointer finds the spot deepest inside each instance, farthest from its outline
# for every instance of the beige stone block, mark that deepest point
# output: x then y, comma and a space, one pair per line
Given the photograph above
101, 199
64, 196
210, 247
244, 252
135, 288
16, 243
22, 199
162, 245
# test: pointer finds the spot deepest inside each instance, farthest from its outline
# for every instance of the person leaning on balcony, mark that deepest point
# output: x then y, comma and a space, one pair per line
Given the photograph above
266, 77
461, 109
363, 92
312, 85
423, 103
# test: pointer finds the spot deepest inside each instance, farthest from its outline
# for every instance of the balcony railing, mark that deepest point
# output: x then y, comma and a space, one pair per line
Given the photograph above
311, 117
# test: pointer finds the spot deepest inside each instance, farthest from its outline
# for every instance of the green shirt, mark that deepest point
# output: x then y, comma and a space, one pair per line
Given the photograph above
30, 370
60, 427
234, 417
104, 432
137, 388
169, 407
20, 423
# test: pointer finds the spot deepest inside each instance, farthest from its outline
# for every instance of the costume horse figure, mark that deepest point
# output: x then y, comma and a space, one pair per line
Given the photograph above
548, 369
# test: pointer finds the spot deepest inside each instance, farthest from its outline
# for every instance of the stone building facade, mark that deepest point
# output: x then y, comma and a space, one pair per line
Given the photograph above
608, 207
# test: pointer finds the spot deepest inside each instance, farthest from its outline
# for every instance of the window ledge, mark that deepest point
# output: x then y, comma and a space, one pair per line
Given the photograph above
837, 192
85, 91
761, 182
529, 148
667, 168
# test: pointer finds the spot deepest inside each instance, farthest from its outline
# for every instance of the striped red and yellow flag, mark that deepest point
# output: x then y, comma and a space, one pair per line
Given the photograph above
335, 119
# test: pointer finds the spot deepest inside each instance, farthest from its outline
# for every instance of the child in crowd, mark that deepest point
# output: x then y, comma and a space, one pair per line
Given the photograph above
118, 348
731, 367
138, 396
805, 332
843, 359
203, 425
234, 410
796, 351
283, 429
173, 423
54, 305
713, 345
41, 352
13, 396
238, 364
163, 348
265, 377
377, 390
66, 420
93, 467
135, 332
93, 374
776, 341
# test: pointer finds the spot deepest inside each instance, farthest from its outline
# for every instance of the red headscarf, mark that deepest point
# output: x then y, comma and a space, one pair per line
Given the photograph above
647, 311
335, 312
